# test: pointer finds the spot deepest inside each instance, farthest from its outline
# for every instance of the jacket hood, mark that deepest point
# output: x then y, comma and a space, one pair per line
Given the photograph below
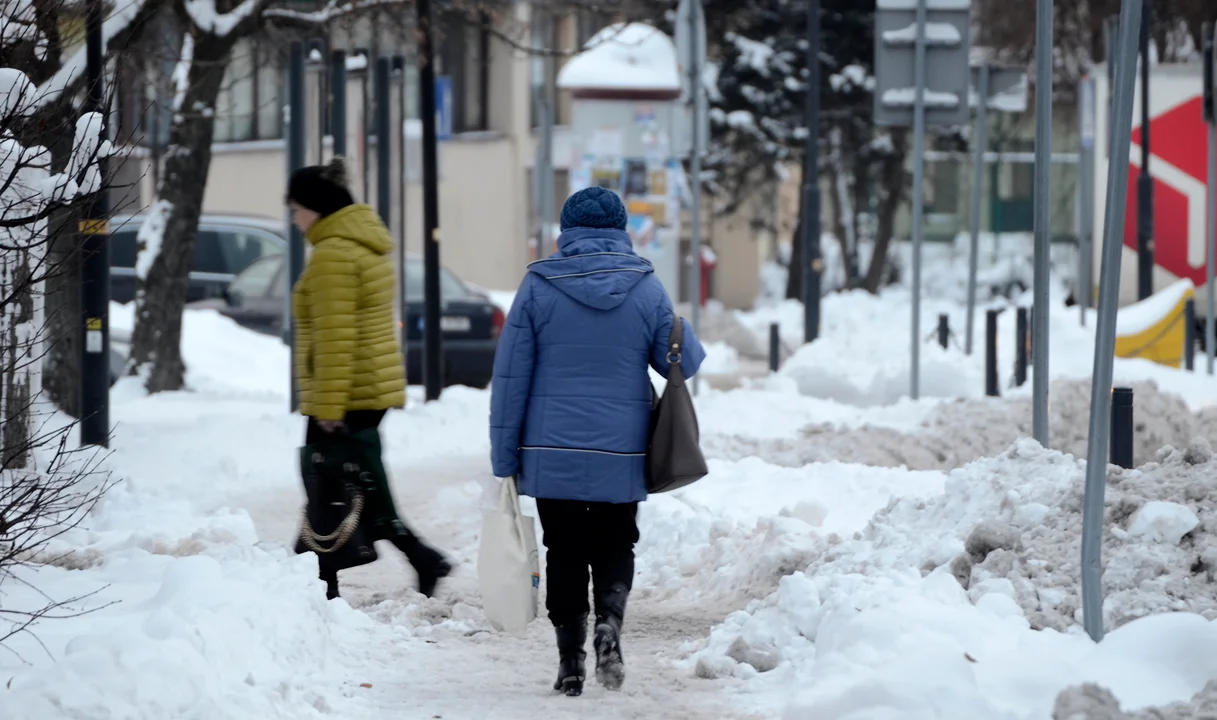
595, 267
359, 223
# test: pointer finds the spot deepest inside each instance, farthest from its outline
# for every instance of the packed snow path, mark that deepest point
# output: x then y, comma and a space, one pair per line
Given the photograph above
417, 665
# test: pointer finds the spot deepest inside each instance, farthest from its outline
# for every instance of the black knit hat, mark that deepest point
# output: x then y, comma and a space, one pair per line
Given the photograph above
321, 188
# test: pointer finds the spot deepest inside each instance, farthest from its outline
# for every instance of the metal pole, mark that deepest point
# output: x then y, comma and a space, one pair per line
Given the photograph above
1043, 220
384, 144
1022, 348
1189, 335
338, 101
991, 385
813, 264
433, 339
296, 153
1105, 324
1210, 91
1145, 181
775, 347
978, 181
95, 262
1085, 282
548, 98
695, 92
919, 81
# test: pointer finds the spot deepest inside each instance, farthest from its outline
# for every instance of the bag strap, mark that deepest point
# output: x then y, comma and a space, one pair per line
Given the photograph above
676, 340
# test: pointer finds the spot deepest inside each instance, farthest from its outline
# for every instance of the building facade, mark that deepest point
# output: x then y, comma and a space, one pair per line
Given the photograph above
487, 222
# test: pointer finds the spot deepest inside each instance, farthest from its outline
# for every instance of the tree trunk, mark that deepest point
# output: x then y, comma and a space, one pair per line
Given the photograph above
794, 273
161, 298
64, 313
891, 194
20, 356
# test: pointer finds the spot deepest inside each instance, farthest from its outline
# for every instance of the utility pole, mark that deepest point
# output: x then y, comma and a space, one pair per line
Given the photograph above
297, 154
813, 264
95, 263
1042, 221
1145, 181
433, 339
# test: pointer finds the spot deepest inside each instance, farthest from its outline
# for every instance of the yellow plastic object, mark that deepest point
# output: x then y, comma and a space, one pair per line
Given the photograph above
1154, 328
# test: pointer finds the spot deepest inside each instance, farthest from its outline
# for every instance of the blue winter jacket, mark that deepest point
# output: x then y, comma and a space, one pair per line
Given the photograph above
570, 402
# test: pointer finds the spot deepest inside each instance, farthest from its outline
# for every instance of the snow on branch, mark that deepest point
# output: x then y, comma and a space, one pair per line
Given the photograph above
124, 15
206, 18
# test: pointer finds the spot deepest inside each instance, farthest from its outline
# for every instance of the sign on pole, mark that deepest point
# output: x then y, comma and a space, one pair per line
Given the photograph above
947, 72
921, 79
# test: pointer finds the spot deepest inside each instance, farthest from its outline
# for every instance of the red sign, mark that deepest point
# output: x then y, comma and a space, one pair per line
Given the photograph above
1178, 157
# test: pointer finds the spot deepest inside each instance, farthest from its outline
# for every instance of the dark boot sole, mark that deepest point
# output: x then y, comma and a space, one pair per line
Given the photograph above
570, 687
610, 669
428, 583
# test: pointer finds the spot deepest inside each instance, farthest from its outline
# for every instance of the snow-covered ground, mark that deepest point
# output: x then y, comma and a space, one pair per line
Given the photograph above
852, 555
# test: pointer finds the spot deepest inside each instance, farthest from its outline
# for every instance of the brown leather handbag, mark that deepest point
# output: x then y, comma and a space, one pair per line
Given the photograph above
674, 457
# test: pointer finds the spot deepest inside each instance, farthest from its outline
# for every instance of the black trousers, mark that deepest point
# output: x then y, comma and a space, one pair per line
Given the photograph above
578, 536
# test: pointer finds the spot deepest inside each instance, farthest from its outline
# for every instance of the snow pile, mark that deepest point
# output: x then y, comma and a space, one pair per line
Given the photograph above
185, 617
951, 434
222, 358
721, 359
865, 360
733, 535
960, 582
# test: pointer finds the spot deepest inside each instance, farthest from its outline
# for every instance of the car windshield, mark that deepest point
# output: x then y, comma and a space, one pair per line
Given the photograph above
256, 279
450, 287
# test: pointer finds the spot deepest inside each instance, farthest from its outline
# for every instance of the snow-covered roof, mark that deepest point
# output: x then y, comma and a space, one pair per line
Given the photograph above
633, 56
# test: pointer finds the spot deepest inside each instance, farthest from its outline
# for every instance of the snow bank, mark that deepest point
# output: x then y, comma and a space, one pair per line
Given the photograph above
222, 358
733, 535
1140, 316
948, 435
863, 358
936, 604
190, 619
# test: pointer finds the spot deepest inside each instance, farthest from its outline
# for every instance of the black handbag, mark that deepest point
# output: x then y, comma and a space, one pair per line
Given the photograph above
674, 457
331, 522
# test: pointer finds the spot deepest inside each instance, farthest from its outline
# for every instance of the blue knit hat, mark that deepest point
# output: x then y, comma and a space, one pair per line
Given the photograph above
593, 207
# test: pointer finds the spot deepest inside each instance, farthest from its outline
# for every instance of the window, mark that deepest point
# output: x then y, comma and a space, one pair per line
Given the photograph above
255, 281
463, 55
123, 248
207, 255
240, 248
449, 287
235, 104
269, 93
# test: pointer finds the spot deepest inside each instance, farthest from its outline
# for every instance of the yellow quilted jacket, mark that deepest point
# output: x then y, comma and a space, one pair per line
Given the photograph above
346, 354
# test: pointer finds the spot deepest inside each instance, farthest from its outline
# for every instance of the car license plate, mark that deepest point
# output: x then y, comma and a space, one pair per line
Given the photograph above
454, 323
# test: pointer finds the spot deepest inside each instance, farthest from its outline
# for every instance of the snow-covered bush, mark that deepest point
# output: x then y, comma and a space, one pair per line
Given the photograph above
44, 489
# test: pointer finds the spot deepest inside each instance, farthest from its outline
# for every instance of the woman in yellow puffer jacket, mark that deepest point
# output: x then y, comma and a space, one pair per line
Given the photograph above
348, 363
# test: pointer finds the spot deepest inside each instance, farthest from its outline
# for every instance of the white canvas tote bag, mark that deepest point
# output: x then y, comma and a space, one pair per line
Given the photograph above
509, 569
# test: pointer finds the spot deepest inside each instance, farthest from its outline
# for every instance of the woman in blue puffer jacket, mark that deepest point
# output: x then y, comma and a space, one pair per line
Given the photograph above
570, 416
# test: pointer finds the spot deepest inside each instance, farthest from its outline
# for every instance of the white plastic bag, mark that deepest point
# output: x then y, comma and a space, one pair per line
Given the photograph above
509, 569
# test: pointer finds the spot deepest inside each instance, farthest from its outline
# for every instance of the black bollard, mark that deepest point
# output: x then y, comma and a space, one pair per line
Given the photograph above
1121, 427
991, 388
1189, 334
775, 347
1022, 346
944, 330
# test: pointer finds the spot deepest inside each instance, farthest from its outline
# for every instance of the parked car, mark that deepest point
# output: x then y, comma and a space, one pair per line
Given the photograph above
471, 322
226, 245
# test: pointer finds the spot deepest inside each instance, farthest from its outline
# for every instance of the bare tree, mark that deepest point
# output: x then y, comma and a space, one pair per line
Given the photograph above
44, 488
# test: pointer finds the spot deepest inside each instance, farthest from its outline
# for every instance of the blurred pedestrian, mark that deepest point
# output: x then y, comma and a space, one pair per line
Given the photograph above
348, 362
570, 417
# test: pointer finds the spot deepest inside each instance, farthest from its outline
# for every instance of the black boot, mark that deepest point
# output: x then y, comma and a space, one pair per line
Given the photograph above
610, 612
331, 583
430, 565
572, 637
